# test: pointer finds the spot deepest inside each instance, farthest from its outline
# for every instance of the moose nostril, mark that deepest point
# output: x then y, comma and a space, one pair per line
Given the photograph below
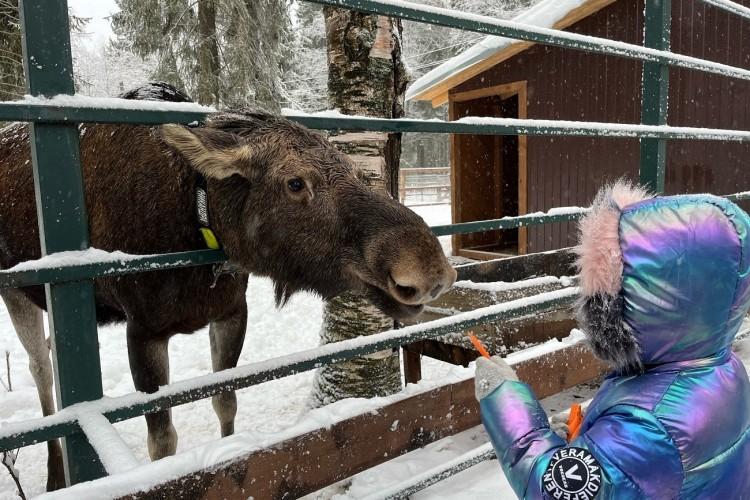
406, 292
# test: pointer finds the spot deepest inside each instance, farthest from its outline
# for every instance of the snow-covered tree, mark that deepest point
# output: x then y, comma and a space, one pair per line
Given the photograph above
11, 68
12, 83
306, 78
229, 52
365, 77
107, 70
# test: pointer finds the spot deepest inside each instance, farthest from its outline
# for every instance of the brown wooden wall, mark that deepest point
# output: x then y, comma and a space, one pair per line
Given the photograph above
571, 85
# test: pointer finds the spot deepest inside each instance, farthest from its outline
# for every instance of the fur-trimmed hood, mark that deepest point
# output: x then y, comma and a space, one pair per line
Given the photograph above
663, 279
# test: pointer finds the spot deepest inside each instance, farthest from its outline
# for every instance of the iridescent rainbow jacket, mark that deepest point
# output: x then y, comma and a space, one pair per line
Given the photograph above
665, 288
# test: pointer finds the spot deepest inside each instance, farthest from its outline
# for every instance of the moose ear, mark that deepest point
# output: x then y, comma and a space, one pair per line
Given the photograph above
212, 152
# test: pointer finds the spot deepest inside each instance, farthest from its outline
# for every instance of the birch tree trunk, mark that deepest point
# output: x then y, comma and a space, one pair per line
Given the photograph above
366, 76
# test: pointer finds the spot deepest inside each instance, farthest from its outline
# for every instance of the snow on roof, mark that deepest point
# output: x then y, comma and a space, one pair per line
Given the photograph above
544, 14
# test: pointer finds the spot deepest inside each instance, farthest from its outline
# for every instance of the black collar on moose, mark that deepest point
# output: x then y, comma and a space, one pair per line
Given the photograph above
201, 210
201, 204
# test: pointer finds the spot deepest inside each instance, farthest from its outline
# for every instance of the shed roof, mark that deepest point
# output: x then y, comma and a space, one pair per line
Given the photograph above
558, 14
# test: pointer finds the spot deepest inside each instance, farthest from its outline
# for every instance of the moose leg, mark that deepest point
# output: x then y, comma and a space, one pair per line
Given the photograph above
28, 322
149, 365
227, 337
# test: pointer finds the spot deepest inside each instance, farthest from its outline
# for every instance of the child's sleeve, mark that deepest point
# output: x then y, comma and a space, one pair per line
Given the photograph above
625, 454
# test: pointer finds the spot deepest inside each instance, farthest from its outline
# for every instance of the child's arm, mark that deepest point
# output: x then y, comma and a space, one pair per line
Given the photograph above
625, 454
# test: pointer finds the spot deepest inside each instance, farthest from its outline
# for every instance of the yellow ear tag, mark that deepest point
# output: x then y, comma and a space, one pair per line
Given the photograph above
211, 241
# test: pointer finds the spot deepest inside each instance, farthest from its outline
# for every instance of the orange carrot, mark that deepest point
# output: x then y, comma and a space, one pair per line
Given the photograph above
575, 419
478, 345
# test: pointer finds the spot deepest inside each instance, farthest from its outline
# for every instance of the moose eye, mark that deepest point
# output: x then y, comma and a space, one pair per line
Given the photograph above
296, 185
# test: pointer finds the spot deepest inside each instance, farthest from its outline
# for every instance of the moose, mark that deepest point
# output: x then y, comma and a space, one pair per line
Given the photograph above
282, 202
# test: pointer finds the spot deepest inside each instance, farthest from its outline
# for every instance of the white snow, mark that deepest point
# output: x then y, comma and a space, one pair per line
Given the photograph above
576, 336
733, 7
116, 456
148, 475
74, 258
83, 101
269, 407
502, 286
265, 368
610, 129
538, 20
437, 215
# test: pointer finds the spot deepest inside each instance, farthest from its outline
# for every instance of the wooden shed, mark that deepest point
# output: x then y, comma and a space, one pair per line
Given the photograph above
496, 176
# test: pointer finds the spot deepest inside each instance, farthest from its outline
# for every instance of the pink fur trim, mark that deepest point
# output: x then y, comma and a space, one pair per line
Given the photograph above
599, 256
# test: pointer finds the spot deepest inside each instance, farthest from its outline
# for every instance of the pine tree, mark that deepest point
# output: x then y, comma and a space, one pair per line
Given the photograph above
306, 78
12, 83
228, 53
11, 68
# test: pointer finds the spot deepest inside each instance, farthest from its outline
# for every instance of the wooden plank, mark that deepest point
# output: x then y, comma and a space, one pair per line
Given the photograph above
523, 170
479, 160
305, 464
477, 254
503, 90
412, 366
455, 178
557, 263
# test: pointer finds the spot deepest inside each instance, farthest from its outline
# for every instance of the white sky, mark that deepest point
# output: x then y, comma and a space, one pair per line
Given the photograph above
99, 29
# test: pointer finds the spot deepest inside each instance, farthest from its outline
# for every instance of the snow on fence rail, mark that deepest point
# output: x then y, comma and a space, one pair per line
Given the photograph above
87, 110
337, 422
732, 7
547, 36
136, 404
436, 474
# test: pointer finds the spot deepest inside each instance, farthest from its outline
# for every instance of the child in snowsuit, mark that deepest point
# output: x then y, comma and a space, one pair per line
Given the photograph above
665, 286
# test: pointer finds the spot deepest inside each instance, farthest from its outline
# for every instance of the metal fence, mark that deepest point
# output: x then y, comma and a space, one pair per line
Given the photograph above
424, 186
63, 218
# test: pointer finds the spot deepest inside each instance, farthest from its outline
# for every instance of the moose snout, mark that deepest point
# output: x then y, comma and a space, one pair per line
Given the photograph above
413, 286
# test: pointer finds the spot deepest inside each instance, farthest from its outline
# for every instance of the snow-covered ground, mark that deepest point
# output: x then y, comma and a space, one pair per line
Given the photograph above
268, 408
270, 333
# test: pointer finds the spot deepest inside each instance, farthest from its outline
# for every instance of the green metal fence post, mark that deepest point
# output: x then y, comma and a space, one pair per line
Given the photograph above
655, 89
63, 224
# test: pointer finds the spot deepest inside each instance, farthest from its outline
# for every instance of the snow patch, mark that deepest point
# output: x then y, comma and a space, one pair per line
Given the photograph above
74, 258
503, 286
84, 101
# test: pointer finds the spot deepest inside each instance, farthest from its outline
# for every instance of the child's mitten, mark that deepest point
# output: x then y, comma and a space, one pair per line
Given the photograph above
490, 373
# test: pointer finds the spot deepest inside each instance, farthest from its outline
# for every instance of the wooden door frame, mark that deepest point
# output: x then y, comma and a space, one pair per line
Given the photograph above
504, 91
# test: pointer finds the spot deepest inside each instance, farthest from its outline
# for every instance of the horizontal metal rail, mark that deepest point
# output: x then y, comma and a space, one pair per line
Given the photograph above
479, 126
732, 7
506, 223
510, 29
133, 405
40, 275
516, 126
51, 113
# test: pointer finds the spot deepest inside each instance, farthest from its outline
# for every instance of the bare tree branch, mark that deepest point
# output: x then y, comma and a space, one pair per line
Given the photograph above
9, 461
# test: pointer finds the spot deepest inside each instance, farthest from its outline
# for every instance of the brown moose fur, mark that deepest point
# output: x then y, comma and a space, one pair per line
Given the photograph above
333, 235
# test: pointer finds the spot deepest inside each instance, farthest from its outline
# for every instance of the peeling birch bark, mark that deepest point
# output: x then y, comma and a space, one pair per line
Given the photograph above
366, 76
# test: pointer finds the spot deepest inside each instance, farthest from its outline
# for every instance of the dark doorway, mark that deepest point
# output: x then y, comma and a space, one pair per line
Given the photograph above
486, 178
